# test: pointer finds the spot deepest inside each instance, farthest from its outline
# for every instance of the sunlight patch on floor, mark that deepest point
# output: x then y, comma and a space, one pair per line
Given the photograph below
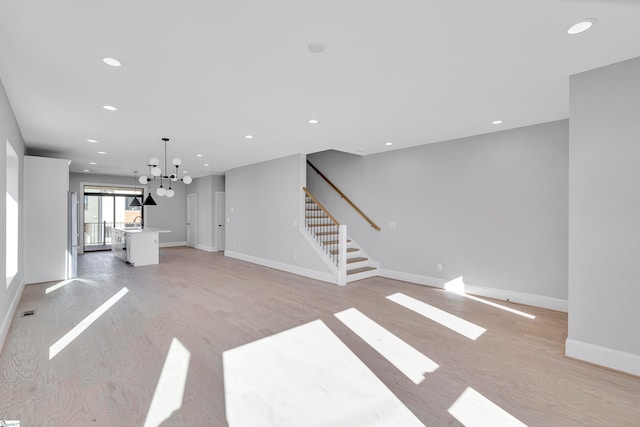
306, 376
170, 389
64, 283
457, 286
474, 410
59, 345
501, 307
448, 320
407, 359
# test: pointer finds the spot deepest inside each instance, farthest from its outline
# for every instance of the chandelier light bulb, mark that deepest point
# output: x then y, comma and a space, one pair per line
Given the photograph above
177, 161
143, 179
154, 161
155, 171
173, 177
187, 180
170, 193
161, 191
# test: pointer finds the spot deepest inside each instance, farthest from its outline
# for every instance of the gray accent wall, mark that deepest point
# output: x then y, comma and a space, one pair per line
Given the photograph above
169, 214
604, 212
264, 209
490, 208
9, 295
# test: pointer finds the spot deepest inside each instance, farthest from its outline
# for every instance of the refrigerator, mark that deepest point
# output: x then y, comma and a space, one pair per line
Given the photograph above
72, 231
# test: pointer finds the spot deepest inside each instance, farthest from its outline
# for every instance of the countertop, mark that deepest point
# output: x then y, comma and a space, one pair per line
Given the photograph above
141, 230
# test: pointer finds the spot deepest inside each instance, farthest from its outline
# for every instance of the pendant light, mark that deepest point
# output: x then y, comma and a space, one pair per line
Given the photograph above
135, 202
155, 172
149, 200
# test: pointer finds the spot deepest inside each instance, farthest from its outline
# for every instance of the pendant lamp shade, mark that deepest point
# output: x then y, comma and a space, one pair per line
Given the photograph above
149, 201
135, 202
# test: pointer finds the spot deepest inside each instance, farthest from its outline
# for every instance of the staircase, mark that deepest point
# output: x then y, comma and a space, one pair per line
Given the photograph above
351, 265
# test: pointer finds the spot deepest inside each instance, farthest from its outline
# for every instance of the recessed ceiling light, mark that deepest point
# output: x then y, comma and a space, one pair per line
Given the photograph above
109, 107
102, 152
582, 26
388, 143
313, 121
316, 47
112, 61
198, 155
248, 137
86, 170
206, 164
497, 122
91, 140
92, 163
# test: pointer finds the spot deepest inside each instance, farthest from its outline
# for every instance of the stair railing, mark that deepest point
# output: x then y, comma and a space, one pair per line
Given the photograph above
346, 199
327, 231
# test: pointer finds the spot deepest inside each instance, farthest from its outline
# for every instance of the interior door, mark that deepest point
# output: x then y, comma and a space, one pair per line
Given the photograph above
220, 221
192, 202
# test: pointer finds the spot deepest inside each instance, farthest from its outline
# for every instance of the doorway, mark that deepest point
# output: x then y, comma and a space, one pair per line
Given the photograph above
192, 202
105, 208
220, 221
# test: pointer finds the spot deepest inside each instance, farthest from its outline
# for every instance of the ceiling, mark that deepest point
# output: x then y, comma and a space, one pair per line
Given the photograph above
206, 73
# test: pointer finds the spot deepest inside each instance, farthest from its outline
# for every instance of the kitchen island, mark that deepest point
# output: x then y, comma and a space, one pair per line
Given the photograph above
137, 246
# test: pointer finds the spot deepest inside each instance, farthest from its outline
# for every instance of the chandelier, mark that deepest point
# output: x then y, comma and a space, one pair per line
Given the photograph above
156, 173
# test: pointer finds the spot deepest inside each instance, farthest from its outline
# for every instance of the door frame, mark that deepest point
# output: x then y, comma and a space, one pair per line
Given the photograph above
219, 220
192, 224
81, 208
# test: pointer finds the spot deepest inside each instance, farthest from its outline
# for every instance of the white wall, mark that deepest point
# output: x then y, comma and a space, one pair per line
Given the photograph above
491, 208
264, 209
604, 214
169, 214
10, 295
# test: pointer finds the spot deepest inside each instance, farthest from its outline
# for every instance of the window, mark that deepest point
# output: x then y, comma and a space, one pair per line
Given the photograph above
106, 207
11, 219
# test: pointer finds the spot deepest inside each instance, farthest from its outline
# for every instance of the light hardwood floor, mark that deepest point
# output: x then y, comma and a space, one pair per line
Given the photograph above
108, 374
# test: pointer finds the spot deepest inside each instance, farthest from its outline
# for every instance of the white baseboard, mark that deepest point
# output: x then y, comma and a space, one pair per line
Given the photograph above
485, 291
300, 271
6, 322
172, 244
614, 359
206, 248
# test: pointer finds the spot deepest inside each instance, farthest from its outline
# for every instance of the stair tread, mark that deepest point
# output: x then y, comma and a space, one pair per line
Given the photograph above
356, 259
360, 270
324, 224
349, 250
325, 233
333, 242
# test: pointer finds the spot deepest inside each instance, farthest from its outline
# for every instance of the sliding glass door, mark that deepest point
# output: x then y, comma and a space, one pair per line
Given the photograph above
105, 208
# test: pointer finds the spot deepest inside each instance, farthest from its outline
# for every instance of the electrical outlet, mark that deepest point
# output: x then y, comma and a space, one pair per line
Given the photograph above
439, 267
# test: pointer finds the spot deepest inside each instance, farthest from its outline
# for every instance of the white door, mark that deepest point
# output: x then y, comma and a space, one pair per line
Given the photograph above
192, 201
220, 221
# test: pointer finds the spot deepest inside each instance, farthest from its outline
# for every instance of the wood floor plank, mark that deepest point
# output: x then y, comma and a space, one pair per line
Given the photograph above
211, 304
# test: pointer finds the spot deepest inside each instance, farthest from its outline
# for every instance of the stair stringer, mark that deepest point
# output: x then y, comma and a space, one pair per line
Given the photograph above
325, 257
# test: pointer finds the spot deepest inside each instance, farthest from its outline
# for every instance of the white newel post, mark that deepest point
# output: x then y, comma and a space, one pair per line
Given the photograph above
342, 255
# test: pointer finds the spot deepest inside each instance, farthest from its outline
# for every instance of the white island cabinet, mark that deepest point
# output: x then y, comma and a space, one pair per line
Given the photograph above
137, 246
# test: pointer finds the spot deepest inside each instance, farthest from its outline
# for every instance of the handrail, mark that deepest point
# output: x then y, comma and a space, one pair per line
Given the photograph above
337, 190
335, 221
